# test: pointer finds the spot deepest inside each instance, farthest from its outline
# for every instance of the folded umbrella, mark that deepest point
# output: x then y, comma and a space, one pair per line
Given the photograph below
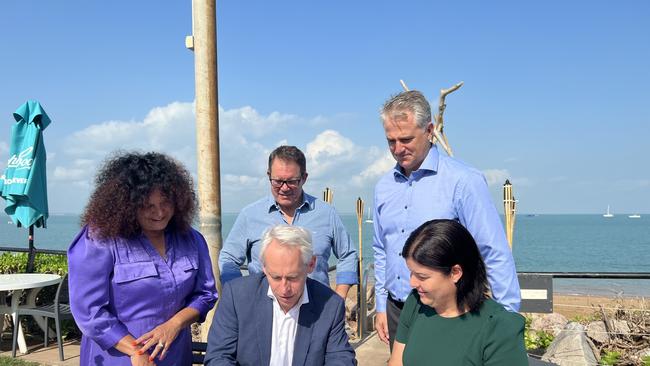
24, 183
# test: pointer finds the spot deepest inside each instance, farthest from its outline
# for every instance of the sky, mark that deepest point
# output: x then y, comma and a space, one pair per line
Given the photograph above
555, 94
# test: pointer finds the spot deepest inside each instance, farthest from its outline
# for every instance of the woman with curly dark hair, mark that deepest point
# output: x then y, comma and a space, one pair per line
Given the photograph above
449, 318
139, 273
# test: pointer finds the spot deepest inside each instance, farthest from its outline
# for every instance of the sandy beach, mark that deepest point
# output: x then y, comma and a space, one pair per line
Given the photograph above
573, 306
580, 305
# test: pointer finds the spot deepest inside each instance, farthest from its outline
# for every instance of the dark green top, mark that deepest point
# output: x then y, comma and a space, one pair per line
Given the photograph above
490, 336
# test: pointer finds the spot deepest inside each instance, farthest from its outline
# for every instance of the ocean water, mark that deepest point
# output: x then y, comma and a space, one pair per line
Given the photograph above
557, 243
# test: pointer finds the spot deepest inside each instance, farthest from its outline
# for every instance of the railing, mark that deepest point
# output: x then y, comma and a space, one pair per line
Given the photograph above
37, 251
363, 288
363, 306
537, 287
593, 275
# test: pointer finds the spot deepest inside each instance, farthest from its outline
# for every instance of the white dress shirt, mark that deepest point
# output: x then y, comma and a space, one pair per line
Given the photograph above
285, 326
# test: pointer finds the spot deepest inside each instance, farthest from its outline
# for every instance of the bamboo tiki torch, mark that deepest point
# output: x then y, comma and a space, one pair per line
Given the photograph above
359, 297
507, 209
328, 195
513, 211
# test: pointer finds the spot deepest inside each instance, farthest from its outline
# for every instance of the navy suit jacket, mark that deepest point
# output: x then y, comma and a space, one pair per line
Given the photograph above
241, 331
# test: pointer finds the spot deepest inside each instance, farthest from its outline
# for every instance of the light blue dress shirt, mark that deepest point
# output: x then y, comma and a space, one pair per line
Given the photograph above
442, 188
327, 230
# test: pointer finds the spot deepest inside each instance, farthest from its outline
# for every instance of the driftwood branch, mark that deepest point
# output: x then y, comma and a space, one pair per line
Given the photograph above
438, 130
406, 88
440, 125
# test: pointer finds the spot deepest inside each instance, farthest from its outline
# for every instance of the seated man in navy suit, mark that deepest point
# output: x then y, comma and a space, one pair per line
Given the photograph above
281, 317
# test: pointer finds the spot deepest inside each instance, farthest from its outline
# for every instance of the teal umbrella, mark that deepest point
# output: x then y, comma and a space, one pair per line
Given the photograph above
24, 184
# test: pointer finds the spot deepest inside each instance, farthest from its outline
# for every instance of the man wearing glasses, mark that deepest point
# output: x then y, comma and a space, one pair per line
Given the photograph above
289, 204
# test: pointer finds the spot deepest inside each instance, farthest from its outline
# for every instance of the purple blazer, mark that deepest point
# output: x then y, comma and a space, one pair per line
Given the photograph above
120, 287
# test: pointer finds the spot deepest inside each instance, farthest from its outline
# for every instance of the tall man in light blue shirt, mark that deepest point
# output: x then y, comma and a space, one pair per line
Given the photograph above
289, 204
426, 185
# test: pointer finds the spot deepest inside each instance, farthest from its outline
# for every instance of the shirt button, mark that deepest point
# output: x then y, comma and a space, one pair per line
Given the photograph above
398, 277
402, 230
405, 207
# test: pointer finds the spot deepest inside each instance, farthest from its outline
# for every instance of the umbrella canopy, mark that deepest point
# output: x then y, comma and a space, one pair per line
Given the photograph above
24, 184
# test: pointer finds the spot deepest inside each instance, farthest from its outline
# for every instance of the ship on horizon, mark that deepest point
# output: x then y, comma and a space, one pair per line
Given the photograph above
608, 214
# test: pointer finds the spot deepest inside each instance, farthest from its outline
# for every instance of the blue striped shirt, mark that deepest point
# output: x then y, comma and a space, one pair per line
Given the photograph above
442, 188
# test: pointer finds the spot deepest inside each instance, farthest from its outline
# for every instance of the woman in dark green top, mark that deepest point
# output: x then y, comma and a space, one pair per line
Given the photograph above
449, 318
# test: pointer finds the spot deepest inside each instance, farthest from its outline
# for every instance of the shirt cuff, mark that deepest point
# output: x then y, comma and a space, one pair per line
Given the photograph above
229, 271
202, 307
380, 305
110, 338
346, 278
512, 306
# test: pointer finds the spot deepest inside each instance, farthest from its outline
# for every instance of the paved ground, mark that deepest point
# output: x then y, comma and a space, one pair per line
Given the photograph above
371, 351
45, 356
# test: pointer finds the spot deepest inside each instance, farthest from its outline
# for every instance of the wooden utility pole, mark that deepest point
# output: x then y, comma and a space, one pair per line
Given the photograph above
204, 44
360, 294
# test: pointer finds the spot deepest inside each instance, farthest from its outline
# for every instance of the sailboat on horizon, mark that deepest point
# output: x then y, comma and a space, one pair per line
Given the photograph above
368, 217
608, 214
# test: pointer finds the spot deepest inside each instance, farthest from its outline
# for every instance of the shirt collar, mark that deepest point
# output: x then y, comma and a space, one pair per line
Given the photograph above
307, 200
430, 163
304, 299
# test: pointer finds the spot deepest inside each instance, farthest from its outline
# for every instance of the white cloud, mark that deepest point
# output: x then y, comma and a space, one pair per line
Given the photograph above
170, 128
522, 181
238, 184
350, 170
246, 139
69, 174
496, 177
558, 179
319, 121
633, 183
376, 169
330, 152
246, 121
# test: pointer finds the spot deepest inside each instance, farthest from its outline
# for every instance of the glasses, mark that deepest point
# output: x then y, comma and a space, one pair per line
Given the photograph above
291, 183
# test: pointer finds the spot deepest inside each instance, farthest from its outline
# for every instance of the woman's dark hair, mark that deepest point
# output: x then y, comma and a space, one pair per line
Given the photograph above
441, 244
122, 186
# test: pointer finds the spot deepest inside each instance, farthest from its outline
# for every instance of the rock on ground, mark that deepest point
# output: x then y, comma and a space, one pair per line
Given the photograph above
571, 347
597, 332
620, 327
552, 323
